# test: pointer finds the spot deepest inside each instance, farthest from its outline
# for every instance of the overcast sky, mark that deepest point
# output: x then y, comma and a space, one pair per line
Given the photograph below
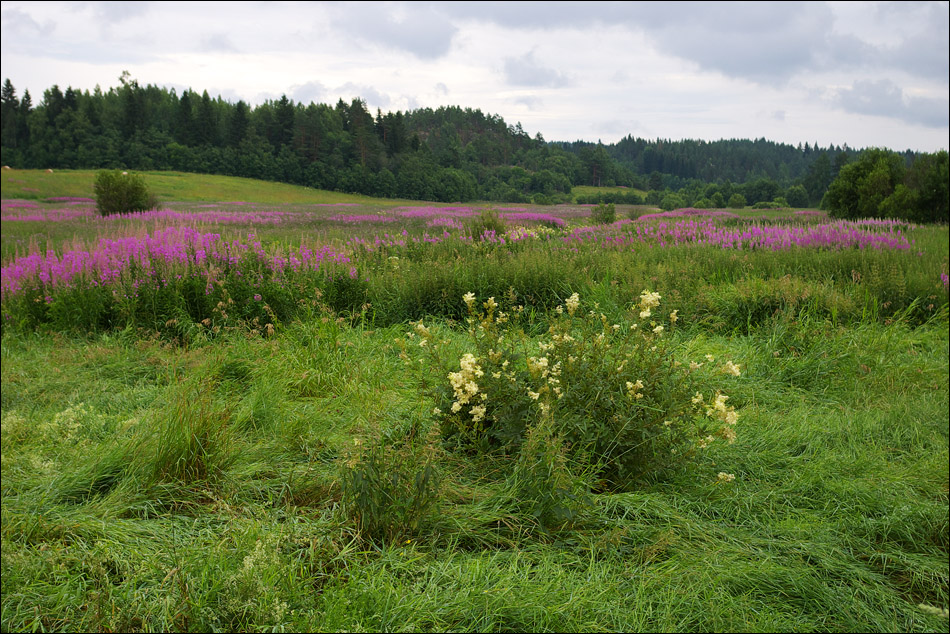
865, 74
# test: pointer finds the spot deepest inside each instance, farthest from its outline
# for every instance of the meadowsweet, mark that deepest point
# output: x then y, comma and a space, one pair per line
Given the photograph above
649, 299
633, 389
731, 368
422, 330
572, 303
538, 366
573, 374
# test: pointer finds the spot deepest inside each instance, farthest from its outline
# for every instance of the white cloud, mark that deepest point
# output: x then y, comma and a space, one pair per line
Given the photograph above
412, 27
570, 70
527, 71
883, 98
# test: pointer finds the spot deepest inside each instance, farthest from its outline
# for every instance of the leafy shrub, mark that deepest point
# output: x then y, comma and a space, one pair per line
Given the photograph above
671, 202
614, 391
620, 198
546, 483
604, 214
487, 222
120, 192
390, 487
737, 201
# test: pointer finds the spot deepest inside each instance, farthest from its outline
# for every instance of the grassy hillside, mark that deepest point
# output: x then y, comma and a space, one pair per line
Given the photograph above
170, 186
589, 190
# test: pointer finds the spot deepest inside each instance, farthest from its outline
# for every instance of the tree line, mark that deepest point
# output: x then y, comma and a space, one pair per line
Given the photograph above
446, 154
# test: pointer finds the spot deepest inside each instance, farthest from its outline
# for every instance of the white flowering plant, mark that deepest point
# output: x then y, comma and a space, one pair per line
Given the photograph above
613, 390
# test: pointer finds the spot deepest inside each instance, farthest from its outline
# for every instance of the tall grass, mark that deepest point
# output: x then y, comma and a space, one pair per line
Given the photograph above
155, 487
283, 469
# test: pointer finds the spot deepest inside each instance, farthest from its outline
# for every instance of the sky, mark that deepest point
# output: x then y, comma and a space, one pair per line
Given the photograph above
865, 74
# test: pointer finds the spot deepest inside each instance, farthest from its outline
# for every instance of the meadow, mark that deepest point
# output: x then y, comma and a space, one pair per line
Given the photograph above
266, 408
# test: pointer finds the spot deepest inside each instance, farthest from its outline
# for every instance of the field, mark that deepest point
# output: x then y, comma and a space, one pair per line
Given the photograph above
264, 408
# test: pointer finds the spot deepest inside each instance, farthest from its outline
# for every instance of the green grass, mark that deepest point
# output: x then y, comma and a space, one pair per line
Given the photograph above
173, 186
590, 190
162, 480
836, 521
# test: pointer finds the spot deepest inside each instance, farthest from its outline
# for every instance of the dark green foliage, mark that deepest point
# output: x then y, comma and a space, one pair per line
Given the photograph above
119, 192
618, 198
546, 483
448, 154
737, 201
671, 202
861, 187
613, 392
880, 184
390, 488
797, 196
604, 214
761, 190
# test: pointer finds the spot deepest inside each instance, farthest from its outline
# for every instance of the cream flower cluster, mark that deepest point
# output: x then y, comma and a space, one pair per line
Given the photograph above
725, 413
633, 389
465, 385
648, 301
571, 303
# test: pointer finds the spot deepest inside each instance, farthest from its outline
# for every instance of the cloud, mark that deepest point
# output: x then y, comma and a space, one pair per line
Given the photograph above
926, 52
766, 43
117, 12
372, 97
441, 88
415, 28
16, 22
530, 101
612, 127
526, 71
218, 43
883, 98
310, 92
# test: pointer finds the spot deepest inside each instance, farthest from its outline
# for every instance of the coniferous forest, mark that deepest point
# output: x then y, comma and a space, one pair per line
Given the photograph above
446, 154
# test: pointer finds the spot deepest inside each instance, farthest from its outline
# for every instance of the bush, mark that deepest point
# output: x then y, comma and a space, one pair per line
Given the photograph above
390, 487
671, 202
604, 214
488, 222
120, 192
737, 201
613, 393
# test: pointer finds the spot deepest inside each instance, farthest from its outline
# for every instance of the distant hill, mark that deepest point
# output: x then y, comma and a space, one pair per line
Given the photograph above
446, 154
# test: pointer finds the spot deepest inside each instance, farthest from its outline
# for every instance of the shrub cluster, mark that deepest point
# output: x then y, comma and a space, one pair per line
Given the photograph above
487, 224
619, 198
604, 214
119, 192
613, 393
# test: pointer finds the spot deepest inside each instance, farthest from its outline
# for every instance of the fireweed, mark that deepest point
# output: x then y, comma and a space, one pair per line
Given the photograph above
614, 393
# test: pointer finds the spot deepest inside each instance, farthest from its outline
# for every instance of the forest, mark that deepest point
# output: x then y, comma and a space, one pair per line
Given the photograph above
447, 154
